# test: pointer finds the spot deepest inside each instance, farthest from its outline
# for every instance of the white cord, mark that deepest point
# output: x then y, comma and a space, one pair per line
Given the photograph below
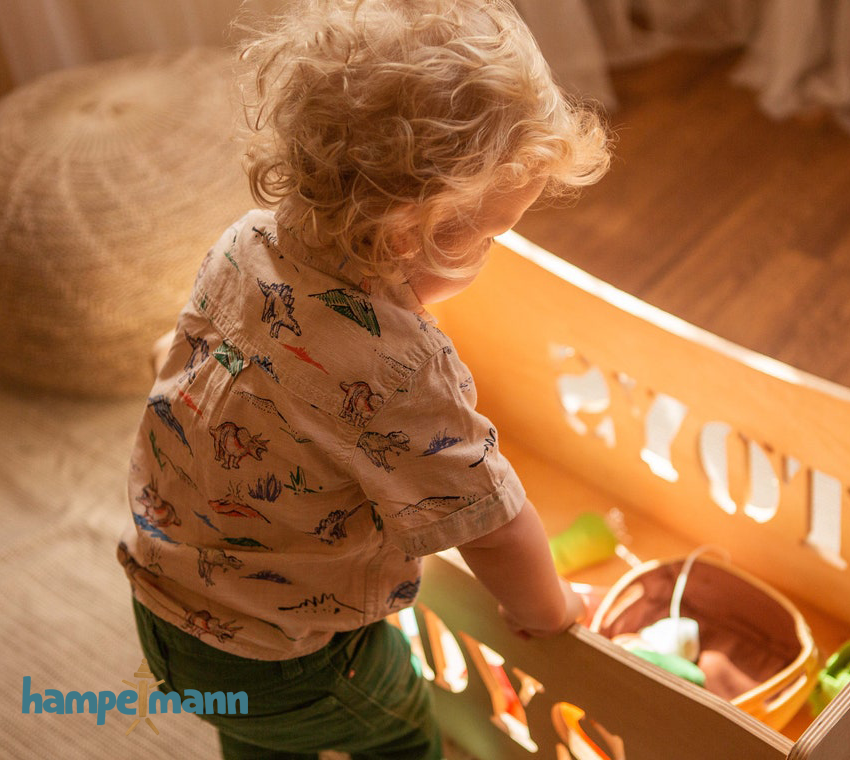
681, 581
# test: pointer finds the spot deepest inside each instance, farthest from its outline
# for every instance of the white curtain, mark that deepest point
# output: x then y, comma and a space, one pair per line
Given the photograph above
795, 53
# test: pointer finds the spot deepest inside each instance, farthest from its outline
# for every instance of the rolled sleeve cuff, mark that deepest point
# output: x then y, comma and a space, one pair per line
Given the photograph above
469, 523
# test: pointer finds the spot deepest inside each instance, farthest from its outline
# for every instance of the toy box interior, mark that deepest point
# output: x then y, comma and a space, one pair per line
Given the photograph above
603, 402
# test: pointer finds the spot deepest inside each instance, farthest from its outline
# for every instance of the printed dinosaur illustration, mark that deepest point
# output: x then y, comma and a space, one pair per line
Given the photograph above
202, 622
230, 357
489, 443
278, 307
159, 512
360, 403
377, 520
246, 542
142, 523
265, 364
267, 489
433, 502
162, 408
205, 520
268, 575
439, 442
269, 407
298, 482
322, 603
228, 253
351, 304
404, 593
131, 566
232, 443
200, 353
303, 355
232, 506
268, 239
376, 446
332, 528
162, 459
401, 369
209, 559
190, 402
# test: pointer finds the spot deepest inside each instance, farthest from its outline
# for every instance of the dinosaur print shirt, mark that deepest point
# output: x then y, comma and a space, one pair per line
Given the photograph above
310, 437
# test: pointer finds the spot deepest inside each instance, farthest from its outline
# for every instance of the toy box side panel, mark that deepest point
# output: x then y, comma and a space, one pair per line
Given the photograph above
715, 442
829, 737
632, 710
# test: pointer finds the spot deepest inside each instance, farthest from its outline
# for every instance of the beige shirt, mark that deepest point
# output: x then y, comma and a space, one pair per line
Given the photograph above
310, 437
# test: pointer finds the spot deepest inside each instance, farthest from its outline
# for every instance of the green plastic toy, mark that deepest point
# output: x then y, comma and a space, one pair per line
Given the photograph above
674, 664
831, 680
589, 539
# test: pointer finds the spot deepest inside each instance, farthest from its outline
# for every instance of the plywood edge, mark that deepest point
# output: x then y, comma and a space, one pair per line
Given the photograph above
828, 738
664, 320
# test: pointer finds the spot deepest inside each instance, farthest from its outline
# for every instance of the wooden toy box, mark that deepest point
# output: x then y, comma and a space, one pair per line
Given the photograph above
602, 401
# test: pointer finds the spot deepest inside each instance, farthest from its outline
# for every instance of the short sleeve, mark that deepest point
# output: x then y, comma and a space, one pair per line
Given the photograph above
431, 464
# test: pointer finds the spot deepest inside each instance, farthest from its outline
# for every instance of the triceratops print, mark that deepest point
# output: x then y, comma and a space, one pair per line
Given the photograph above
209, 559
360, 403
278, 307
376, 446
232, 444
159, 512
201, 622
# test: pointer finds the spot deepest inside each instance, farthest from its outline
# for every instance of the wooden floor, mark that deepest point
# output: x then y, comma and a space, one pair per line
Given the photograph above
719, 215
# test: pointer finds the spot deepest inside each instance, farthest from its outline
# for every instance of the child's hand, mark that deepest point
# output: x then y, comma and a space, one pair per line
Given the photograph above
575, 612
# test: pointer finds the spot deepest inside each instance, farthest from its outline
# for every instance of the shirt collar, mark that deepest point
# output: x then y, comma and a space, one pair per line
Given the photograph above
340, 267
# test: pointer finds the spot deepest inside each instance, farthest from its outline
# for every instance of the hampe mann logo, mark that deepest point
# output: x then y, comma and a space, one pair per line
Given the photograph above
142, 700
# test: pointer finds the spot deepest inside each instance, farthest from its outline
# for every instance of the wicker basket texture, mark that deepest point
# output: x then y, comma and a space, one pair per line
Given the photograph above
115, 179
760, 631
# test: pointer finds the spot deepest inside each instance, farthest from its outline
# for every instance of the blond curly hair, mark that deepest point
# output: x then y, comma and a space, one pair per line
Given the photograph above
379, 121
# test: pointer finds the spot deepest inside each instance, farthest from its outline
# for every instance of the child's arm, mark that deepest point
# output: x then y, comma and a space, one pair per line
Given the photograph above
515, 564
160, 349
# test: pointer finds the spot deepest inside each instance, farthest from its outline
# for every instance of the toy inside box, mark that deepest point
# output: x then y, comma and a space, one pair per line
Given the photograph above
603, 402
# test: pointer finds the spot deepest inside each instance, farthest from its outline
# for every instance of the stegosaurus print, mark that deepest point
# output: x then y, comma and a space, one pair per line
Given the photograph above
332, 528
279, 307
317, 604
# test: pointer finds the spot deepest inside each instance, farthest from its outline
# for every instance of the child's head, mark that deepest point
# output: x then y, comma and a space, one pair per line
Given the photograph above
381, 126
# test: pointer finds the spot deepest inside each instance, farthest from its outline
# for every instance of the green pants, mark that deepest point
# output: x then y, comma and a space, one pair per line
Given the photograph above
360, 694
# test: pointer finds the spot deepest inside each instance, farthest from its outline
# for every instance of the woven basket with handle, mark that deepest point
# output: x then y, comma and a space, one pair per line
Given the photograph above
762, 634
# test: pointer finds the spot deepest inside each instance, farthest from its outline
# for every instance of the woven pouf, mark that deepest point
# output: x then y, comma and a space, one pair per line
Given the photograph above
115, 179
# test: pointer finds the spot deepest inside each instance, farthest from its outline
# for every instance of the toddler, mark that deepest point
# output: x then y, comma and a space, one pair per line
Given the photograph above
311, 433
